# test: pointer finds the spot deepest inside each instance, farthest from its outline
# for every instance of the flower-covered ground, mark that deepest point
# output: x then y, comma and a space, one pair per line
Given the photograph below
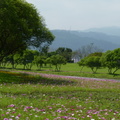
52, 97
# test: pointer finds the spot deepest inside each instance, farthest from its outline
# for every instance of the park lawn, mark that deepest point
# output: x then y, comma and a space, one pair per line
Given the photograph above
74, 69
28, 97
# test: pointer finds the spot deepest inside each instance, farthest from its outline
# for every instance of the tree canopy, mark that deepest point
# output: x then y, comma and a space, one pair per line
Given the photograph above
65, 52
92, 61
111, 60
57, 61
21, 26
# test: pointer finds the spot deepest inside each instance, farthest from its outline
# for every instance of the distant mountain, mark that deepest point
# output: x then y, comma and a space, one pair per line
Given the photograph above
101, 36
77, 39
107, 30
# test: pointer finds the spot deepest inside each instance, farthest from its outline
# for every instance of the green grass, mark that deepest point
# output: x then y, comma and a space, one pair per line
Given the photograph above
74, 70
27, 97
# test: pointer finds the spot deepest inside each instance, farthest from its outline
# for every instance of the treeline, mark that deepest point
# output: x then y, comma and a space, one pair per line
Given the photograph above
109, 59
28, 58
95, 61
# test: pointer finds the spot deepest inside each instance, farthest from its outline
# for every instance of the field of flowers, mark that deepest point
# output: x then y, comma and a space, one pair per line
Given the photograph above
33, 96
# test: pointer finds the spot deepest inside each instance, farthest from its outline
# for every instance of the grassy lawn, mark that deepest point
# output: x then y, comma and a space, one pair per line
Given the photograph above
28, 97
74, 70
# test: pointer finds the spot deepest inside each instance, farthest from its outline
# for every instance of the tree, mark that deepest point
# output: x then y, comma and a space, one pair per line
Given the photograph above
39, 61
82, 64
26, 59
21, 26
105, 62
95, 54
57, 61
65, 52
111, 60
16, 59
48, 61
92, 61
12, 60
4, 62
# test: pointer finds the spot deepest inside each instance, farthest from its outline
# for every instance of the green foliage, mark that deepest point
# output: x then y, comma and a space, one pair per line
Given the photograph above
57, 61
26, 59
96, 54
105, 61
39, 61
82, 64
21, 26
65, 52
16, 59
111, 60
29, 57
92, 61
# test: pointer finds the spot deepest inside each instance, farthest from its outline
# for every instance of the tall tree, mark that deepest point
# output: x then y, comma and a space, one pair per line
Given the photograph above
21, 26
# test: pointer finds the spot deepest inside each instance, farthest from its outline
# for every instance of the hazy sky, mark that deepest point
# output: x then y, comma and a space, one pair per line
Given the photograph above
78, 14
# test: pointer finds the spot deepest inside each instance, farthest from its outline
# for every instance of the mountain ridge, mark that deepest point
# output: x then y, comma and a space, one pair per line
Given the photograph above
112, 30
77, 39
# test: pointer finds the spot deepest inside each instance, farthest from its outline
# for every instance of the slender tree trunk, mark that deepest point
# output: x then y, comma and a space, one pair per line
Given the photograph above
115, 70
24, 66
81, 69
110, 70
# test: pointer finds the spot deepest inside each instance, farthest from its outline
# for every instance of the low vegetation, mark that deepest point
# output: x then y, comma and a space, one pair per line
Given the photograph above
57, 98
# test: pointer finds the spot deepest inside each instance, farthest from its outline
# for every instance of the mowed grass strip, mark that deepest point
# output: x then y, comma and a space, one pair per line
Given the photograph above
27, 97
